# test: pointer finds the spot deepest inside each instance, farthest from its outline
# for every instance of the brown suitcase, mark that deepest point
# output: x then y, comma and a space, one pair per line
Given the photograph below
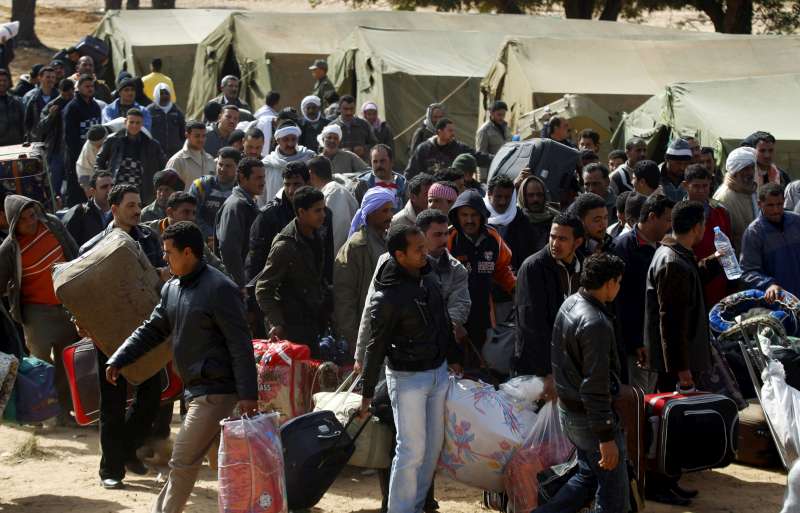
756, 446
629, 405
110, 290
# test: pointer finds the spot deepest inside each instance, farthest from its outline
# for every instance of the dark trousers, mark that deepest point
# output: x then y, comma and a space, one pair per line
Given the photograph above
121, 431
656, 482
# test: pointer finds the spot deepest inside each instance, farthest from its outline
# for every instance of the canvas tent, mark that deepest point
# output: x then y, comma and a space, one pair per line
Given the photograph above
272, 51
721, 113
136, 37
620, 74
394, 69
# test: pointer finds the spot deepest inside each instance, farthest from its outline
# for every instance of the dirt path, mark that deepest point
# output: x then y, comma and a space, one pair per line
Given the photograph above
64, 479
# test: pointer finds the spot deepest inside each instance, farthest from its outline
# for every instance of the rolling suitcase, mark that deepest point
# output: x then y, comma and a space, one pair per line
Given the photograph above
316, 447
629, 405
691, 431
756, 446
127, 297
80, 364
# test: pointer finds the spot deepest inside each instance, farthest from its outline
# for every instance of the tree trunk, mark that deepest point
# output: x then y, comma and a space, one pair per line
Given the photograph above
579, 9
163, 4
132, 4
24, 11
113, 5
739, 17
611, 10
713, 9
502, 7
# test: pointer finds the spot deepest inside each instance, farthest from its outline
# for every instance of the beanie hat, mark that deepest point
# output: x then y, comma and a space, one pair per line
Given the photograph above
465, 162
96, 133
679, 150
170, 178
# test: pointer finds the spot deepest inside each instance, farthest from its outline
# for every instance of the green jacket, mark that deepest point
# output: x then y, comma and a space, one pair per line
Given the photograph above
325, 91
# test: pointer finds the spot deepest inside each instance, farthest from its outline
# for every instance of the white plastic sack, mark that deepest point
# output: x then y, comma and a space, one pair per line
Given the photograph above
8, 31
524, 390
483, 428
781, 404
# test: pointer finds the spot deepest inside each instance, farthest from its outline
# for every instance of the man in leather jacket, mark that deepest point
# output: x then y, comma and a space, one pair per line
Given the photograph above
411, 331
204, 312
586, 369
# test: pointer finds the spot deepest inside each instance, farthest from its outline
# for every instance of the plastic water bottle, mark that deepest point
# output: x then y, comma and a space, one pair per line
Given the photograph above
727, 255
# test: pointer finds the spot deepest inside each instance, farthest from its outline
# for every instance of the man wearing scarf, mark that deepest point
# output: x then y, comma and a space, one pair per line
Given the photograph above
766, 170
493, 134
287, 135
532, 200
168, 124
357, 259
488, 260
383, 132
507, 218
342, 161
433, 114
737, 192
312, 122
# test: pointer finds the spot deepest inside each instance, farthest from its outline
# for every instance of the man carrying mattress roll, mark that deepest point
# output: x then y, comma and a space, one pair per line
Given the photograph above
123, 430
204, 312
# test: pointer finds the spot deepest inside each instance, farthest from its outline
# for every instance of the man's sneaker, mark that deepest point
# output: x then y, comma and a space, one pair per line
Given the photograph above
136, 466
112, 484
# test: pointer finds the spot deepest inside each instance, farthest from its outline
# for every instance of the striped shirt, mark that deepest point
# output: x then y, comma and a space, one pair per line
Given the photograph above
39, 253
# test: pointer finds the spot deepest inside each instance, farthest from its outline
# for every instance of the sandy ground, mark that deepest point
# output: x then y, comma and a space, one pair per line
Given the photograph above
63, 478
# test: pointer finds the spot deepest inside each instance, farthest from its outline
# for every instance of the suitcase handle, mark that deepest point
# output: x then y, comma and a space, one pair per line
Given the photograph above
335, 434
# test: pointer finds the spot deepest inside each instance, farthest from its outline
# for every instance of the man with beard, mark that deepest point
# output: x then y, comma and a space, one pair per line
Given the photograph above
488, 260
737, 193
287, 135
382, 175
545, 279
357, 259
312, 123
508, 219
532, 200
342, 161
440, 151
493, 134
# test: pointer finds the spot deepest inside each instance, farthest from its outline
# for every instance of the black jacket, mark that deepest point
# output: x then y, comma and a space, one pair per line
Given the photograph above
429, 157
78, 116
169, 129
204, 312
12, 117
585, 362
152, 158
676, 323
421, 134
33, 111
522, 239
310, 130
542, 285
411, 330
293, 291
231, 236
630, 300
269, 222
50, 128
84, 221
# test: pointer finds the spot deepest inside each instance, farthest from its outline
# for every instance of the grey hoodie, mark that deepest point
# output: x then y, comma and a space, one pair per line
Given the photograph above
10, 256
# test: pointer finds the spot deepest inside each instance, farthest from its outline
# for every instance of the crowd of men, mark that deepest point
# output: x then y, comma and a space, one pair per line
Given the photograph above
295, 222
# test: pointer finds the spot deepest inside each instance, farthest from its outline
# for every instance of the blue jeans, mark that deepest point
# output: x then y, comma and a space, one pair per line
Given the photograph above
418, 408
610, 488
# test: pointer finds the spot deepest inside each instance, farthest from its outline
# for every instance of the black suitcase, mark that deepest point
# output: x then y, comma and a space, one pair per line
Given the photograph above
553, 162
316, 447
95, 48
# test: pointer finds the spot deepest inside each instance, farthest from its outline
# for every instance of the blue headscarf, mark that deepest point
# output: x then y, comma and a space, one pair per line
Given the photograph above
374, 199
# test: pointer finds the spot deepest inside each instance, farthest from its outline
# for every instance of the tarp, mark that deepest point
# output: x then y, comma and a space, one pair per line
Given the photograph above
273, 50
620, 74
136, 37
397, 70
720, 114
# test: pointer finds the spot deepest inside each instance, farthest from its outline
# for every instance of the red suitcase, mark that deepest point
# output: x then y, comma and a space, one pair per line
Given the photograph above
80, 363
691, 431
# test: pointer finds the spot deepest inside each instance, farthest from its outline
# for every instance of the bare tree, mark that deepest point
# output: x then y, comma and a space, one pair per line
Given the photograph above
24, 11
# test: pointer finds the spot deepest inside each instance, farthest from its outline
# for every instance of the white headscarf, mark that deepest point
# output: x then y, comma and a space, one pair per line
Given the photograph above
161, 86
506, 217
310, 100
332, 128
739, 159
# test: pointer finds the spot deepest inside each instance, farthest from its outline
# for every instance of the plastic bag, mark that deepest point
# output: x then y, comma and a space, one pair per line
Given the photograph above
525, 390
251, 477
781, 405
546, 446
